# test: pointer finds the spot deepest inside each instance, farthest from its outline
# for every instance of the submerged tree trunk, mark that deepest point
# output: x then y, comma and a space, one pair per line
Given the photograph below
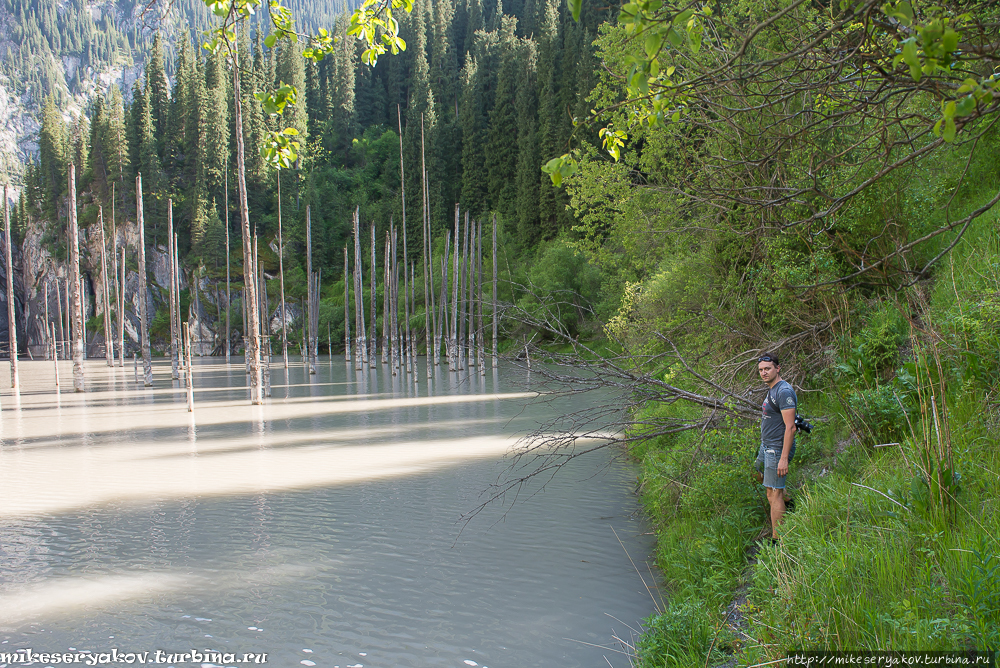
121, 313
11, 310
281, 272
373, 336
147, 362
494, 291
228, 337
249, 292
310, 340
453, 353
109, 346
347, 311
174, 314
73, 286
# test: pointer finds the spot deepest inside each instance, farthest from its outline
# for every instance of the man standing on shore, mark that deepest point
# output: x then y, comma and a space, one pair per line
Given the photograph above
777, 436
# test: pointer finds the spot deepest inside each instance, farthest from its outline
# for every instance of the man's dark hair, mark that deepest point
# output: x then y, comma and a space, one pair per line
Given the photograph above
769, 357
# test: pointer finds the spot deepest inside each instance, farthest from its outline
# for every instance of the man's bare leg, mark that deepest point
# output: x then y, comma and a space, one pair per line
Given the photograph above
777, 500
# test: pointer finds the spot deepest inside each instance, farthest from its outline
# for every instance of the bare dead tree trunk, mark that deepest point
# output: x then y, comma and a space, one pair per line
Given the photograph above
177, 333
413, 310
109, 346
119, 285
373, 344
453, 353
228, 337
359, 296
315, 323
265, 320
494, 314
481, 348
407, 332
386, 339
147, 362
428, 293
174, 314
55, 357
121, 313
187, 364
74, 286
463, 306
281, 273
472, 295
443, 320
394, 307
309, 285
347, 311
11, 309
249, 293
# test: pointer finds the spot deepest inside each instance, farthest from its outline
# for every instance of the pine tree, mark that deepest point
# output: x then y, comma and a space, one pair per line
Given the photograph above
501, 150
551, 205
114, 143
178, 152
156, 87
216, 122
149, 165
52, 153
98, 125
290, 68
81, 145
528, 158
473, 123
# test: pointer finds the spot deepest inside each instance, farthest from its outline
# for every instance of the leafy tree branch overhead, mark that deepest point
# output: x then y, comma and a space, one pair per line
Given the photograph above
793, 110
373, 22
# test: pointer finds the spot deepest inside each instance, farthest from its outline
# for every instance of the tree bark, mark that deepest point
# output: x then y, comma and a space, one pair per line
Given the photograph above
174, 355
74, 286
11, 309
147, 362
249, 291
281, 272
109, 346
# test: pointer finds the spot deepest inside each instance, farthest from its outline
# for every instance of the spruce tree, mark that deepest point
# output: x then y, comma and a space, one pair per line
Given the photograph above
528, 158
156, 87
114, 144
501, 149
473, 124
216, 122
52, 153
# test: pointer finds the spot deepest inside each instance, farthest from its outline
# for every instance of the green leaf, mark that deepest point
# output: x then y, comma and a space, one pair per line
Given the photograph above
654, 41
674, 38
270, 40
949, 130
949, 41
965, 106
910, 53
575, 6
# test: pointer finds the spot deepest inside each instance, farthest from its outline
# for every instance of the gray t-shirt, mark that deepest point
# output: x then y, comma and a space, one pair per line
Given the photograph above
772, 426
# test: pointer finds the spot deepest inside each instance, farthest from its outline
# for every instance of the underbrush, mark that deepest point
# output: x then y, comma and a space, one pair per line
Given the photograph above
862, 563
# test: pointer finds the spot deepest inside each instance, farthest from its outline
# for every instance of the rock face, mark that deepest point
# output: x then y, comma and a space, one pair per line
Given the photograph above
292, 314
40, 294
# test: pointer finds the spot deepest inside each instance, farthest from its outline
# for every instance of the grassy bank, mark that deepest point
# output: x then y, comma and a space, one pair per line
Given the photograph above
890, 547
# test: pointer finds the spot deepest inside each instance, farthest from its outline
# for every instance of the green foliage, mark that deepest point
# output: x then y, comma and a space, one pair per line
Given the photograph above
878, 409
562, 286
679, 636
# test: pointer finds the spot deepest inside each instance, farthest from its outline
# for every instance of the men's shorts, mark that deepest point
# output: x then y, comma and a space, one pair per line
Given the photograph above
767, 461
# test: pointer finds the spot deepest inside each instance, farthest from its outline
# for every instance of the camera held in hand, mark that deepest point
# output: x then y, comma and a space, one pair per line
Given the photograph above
802, 425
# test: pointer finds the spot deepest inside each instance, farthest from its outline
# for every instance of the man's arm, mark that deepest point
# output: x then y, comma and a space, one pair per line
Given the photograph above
788, 415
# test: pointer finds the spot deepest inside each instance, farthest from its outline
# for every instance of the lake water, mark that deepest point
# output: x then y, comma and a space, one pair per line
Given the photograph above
324, 528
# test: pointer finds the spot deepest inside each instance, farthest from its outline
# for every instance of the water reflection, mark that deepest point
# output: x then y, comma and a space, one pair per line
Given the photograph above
325, 520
